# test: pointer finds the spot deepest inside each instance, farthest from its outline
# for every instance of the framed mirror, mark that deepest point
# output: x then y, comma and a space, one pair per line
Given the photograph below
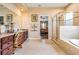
1, 20
9, 18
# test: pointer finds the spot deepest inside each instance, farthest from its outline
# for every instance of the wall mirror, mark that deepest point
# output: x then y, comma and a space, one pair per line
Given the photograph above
9, 18
1, 20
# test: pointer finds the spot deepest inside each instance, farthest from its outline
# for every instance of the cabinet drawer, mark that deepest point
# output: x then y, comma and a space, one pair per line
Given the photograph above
4, 40
7, 39
0, 43
10, 38
8, 51
4, 46
0, 40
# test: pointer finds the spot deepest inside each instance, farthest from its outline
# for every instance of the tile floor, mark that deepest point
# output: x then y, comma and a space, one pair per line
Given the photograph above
39, 47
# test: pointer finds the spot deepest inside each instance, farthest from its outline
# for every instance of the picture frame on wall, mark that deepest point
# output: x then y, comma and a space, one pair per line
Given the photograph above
9, 18
1, 20
34, 17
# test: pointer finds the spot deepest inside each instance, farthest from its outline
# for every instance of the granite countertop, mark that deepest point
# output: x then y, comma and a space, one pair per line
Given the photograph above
6, 34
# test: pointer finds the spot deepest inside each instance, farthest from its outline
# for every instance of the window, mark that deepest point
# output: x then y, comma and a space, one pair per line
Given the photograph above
68, 19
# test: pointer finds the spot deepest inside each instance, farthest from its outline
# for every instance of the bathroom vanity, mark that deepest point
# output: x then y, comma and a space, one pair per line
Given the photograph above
6, 43
20, 38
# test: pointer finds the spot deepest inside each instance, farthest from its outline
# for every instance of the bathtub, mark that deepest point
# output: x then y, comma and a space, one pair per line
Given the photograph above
73, 42
69, 46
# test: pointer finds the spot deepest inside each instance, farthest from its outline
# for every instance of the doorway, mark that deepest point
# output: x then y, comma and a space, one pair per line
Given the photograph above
44, 27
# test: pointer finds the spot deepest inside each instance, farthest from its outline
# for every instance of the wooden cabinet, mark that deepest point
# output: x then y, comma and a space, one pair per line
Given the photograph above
6, 45
0, 46
20, 38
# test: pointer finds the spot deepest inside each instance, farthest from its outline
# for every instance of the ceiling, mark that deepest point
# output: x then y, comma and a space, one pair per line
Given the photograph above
54, 5
23, 7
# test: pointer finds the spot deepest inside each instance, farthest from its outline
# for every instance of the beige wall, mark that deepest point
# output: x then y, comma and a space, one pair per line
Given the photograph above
26, 23
24, 20
12, 7
16, 18
74, 8
68, 48
42, 11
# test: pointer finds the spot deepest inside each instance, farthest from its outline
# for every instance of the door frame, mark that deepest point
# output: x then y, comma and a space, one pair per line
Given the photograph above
48, 22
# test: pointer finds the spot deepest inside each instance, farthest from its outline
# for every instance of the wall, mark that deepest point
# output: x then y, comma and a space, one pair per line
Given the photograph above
68, 33
16, 18
12, 7
24, 20
42, 11
71, 32
74, 8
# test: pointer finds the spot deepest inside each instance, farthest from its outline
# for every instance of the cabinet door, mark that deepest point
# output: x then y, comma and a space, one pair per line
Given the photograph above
6, 45
8, 51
